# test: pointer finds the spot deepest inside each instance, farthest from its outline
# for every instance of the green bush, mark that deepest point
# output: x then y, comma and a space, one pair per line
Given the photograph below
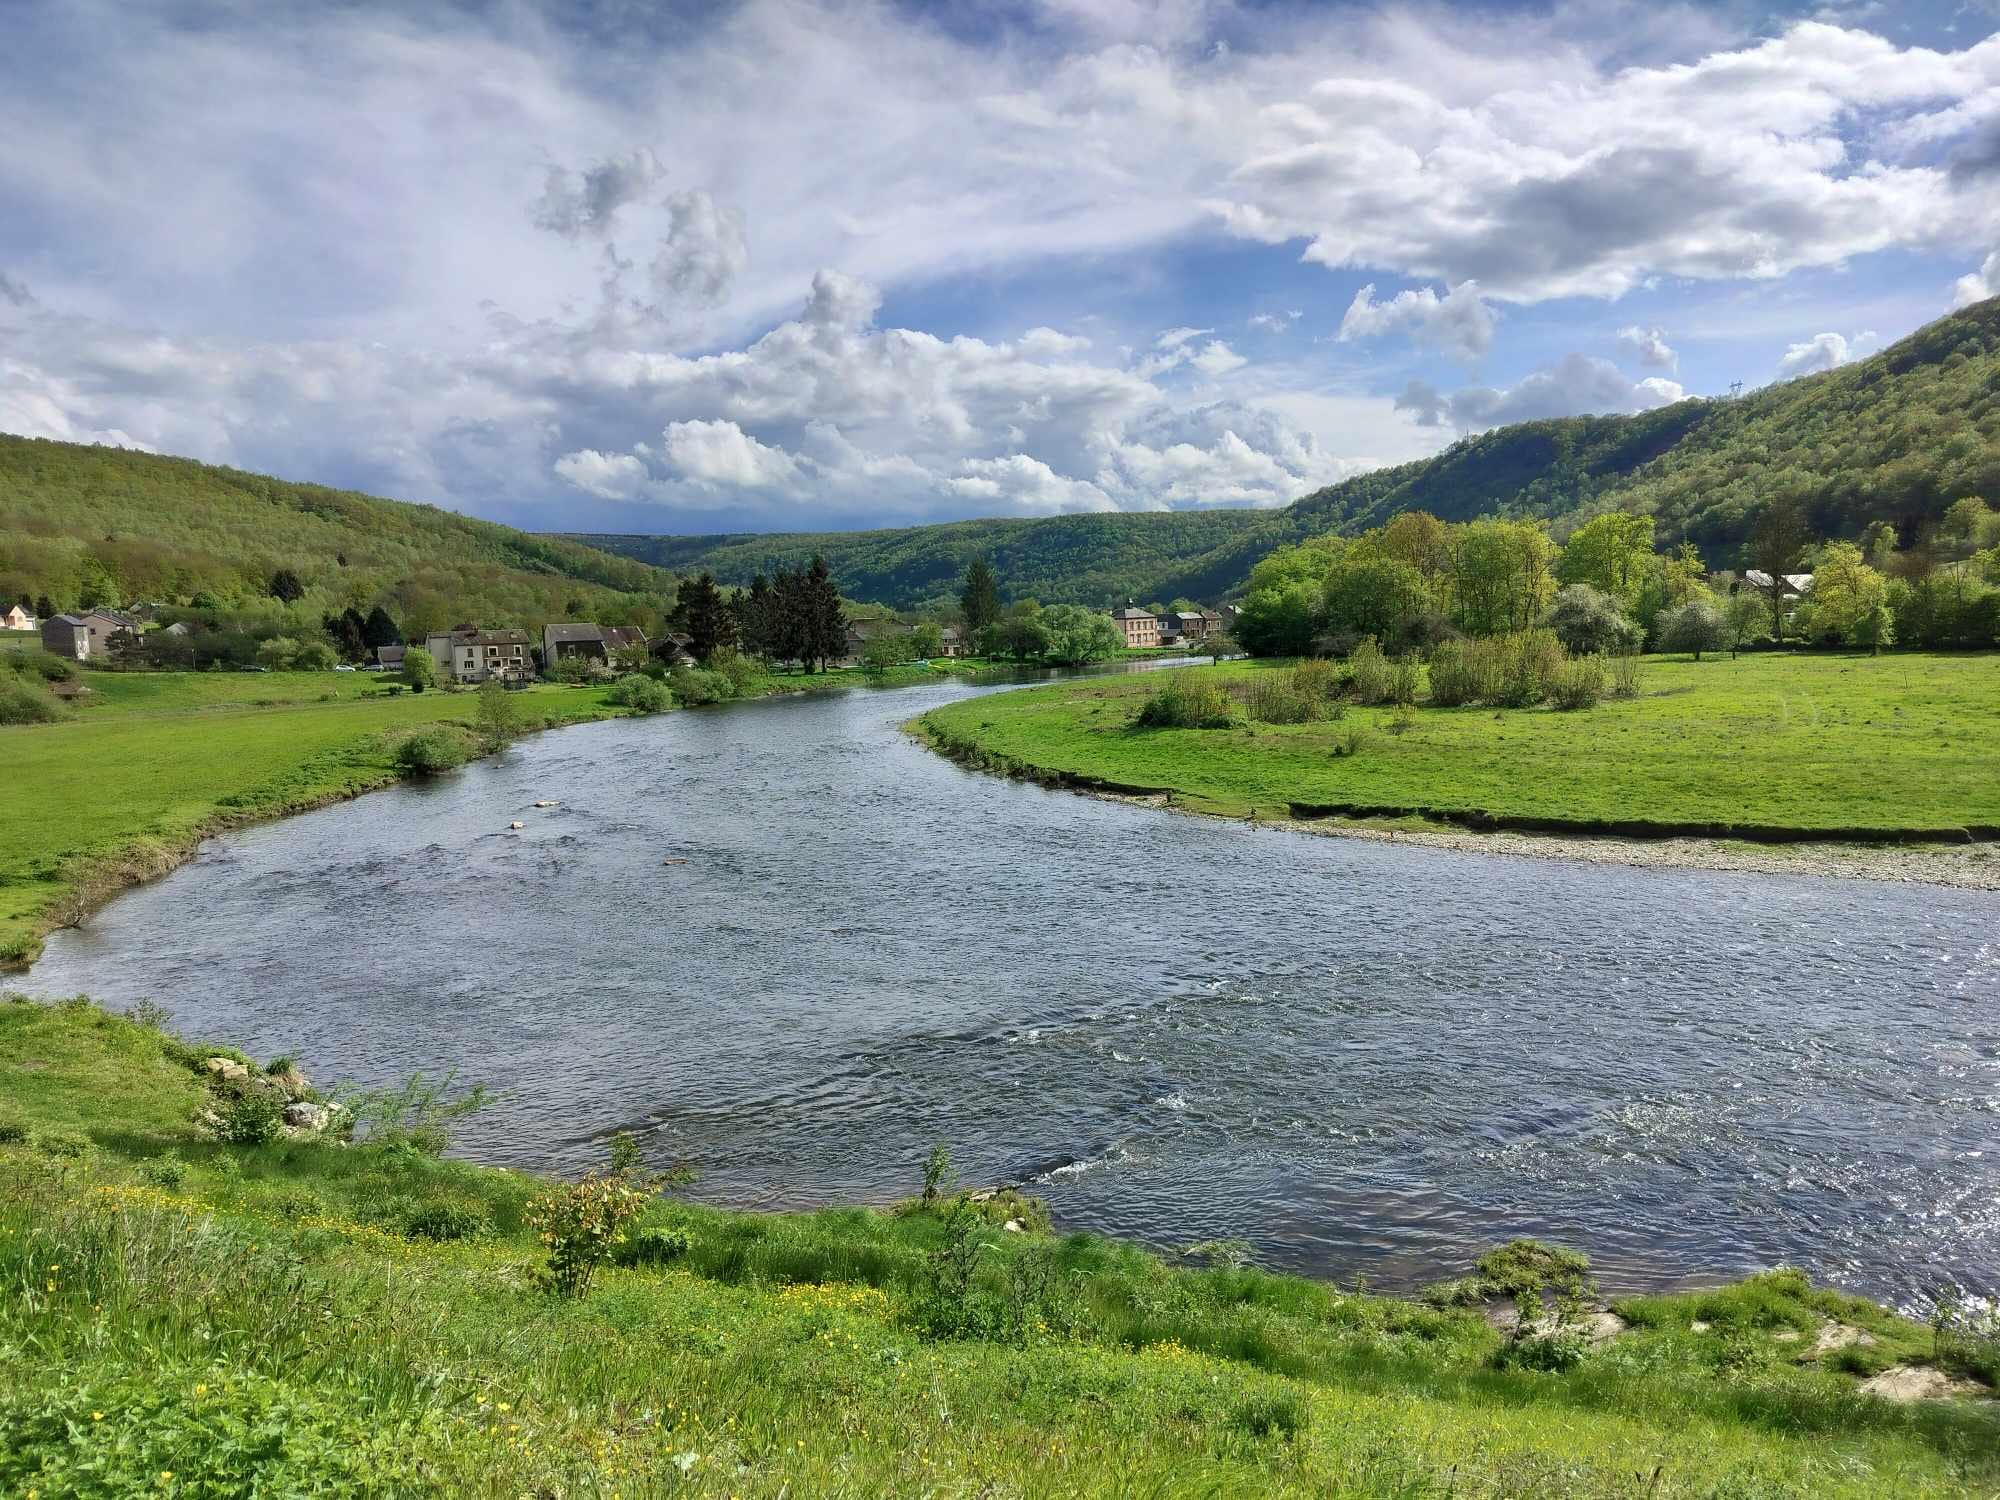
741, 672
1455, 678
22, 702
12, 1132
640, 694
1272, 698
167, 1172
697, 686
1578, 683
1406, 675
1370, 672
43, 664
654, 1245
252, 1117
1317, 679
1533, 659
1625, 675
432, 750
1187, 700
444, 1219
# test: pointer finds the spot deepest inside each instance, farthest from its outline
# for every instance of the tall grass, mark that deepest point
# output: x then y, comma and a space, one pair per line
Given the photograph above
1187, 700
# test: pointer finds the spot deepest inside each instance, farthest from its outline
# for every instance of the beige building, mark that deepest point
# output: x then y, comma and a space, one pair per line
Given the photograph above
469, 655
1141, 630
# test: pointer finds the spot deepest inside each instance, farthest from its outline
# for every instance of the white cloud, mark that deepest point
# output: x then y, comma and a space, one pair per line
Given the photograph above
580, 203
703, 251
720, 452
609, 476
1575, 385
1977, 286
1649, 347
1018, 483
1217, 358
1458, 323
1277, 322
1823, 351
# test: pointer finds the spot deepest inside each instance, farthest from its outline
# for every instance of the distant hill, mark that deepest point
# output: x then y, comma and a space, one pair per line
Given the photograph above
1897, 436
79, 522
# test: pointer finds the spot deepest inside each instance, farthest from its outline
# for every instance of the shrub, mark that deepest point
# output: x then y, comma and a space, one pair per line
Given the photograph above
445, 1219
1625, 675
43, 664
417, 1116
1694, 627
937, 1173
697, 686
22, 702
253, 1117
1369, 671
12, 1132
1588, 622
654, 1245
1318, 680
1578, 683
432, 750
1273, 698
581, 1223
1454, 681
742, 673
167, 1172
1405, 675
1187, 700
1532, 660
640, 694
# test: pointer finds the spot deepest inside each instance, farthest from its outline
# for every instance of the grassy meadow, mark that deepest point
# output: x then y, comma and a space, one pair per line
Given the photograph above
1808, 743
184, 1316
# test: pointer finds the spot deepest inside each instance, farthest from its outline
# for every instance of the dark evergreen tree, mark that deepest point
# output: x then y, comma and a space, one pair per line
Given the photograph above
979, 600
286, 585
825, 619
348, 631
45, 607
380, 629
754, 623
705, 616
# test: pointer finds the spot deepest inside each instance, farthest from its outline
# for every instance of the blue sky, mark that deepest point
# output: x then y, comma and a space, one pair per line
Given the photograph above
785, 264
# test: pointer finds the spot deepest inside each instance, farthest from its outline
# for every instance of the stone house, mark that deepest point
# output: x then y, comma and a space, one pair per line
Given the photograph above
470, 655
1141, 630
85, 637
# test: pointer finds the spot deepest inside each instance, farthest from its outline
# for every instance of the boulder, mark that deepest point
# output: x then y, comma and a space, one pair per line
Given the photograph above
548, 804
304, 1115
517, 823
228, 1070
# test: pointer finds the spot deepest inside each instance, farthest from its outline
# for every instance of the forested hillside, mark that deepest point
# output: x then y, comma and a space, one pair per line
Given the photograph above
83, 525
1896, 437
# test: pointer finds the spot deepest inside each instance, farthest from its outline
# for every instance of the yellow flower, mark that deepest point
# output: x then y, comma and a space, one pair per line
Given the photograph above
97, 1416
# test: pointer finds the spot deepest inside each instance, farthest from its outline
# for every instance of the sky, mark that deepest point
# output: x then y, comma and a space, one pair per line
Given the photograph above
614, 265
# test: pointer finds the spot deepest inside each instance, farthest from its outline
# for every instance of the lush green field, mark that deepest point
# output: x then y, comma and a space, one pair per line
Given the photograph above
1814, 743
154, 761
180, 1316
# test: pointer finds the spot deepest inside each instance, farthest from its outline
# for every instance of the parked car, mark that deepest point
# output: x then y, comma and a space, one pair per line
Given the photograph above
343, 667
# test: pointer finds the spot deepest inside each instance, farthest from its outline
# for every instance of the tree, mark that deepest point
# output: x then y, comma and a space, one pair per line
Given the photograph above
1694, 627
884, 650
927, 640
1588, 621
313, 656
705, 617
380, 630
277, 652
825, 621
1610, 553
1075, 635
419, 669
1021, 634
1742, 618
349, 633
1846, 593
286, 586
1775, 548
979, 600
499, 716
1367, 593
753, 617
45, 607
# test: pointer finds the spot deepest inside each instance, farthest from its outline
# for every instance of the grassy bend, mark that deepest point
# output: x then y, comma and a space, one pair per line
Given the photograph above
158, 761
182, 1315
1817, 745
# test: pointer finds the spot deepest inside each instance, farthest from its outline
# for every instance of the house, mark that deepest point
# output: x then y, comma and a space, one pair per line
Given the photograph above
469, 654
17, 618
390, 658
178, 628
87, 636
861, 632
1188, 624
623, 638
1141, 630
1791, 586
951, 641
562, 639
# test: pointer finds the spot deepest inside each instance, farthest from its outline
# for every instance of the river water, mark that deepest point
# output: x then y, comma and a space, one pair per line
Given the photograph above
1362, 1058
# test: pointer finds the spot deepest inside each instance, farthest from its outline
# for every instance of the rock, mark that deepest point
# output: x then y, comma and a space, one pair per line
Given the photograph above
307, 1115
548, 804
1915, 1383
1697, 1326
228, 1070
517, 823
1012, 1226
1785, 1336
1600, 1325
1839, 1336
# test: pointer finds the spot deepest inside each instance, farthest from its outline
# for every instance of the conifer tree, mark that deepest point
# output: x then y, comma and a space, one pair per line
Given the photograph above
979, 600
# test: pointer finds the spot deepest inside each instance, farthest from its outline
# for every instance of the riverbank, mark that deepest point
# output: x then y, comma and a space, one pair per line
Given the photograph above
1874, 768
130, 786
191, 1312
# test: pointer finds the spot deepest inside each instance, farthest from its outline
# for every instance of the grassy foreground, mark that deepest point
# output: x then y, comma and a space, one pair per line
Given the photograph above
181, 1316
157, 761
1808, 744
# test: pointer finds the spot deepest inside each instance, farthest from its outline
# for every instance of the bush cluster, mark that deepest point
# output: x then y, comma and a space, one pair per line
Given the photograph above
698, 687
1187, 700
581, 1224
640, 693
433, 750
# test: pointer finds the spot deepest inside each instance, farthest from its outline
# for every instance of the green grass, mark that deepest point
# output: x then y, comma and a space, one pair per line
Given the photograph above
151, 762
1808, 743
179, 1316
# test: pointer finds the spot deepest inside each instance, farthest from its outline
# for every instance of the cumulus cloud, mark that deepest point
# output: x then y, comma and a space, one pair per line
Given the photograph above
720, 452
609, 476
1277, 322
1018, 483
1458, 323
1575, 385
1649, 347
1977, 286
703, 251
1823, 351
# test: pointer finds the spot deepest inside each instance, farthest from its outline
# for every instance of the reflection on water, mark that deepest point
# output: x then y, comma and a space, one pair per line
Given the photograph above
1360, 1057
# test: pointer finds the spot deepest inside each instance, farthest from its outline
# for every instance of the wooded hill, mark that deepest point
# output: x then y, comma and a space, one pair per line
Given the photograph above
84, 525
1897, 436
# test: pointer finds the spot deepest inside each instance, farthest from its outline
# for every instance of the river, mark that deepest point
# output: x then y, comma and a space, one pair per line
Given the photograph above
1361, 1058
